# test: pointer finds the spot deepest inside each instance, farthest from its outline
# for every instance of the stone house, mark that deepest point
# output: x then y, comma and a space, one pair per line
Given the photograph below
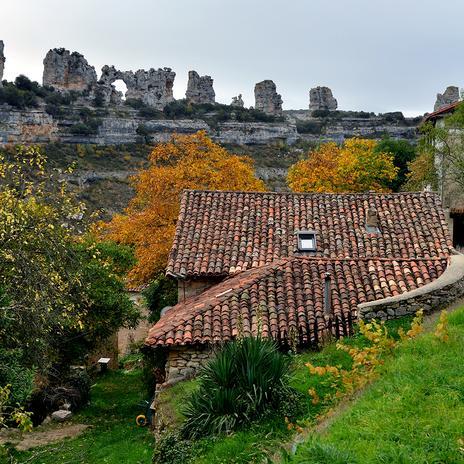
294, 267
451, 194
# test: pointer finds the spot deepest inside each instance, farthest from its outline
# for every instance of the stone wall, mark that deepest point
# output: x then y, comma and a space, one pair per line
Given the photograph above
189, 288
183, 362
431, 297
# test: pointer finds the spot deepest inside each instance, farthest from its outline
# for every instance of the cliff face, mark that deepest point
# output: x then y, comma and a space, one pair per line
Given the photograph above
113, 127
341, 125
116, 126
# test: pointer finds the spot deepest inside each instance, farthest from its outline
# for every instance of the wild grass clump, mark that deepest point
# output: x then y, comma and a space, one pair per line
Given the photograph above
246, 379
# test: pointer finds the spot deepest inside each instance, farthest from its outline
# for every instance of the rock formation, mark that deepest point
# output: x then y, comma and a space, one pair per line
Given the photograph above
2, 61
237, 101
68, 71
267, 99
200, 88
152, 87
321, 98
451, 95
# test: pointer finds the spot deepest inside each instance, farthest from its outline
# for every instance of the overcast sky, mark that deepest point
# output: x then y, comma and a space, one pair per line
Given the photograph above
376, 55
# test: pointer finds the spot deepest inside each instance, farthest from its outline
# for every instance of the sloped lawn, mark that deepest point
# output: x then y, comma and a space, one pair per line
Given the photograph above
114, 437
414, 413
263, 439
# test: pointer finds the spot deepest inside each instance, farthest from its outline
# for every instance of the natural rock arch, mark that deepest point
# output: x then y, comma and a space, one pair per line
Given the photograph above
152, 87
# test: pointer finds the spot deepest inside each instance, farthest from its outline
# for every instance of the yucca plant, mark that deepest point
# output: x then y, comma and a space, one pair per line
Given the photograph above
245, 379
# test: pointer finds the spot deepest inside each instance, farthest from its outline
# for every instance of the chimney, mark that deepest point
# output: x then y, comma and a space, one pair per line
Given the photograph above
327, 295
372, 219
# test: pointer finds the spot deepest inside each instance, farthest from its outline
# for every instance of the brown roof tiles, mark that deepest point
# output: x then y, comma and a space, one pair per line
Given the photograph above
223, 233
272, 288
288, 295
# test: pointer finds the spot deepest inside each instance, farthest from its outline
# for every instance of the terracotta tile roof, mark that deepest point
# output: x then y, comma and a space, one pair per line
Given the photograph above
441, 112
222, 233
287, 297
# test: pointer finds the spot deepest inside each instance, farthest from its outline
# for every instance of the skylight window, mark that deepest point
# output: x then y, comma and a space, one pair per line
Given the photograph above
372, 229
306, 240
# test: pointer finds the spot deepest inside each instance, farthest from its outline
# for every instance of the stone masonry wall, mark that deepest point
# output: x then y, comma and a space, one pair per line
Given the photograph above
184, 362
431, 297
188, 288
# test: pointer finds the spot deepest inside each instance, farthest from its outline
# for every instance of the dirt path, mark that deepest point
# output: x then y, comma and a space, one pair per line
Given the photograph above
23, 442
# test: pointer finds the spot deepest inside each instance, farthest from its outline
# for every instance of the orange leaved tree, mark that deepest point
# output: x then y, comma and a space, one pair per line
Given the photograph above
354, 166
185, 162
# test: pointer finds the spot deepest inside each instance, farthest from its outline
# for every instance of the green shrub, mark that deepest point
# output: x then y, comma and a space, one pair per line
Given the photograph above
245, 380
81, 129
172, 448
54, 110
14, 373
309, 127
150, 113
17, 98
160, 293
89, 125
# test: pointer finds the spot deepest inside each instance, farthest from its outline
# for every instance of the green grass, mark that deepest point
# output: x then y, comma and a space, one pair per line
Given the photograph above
414, 413
114, 437
264, 438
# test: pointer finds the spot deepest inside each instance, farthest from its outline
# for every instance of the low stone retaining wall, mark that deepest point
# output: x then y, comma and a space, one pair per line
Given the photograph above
184, 362
431, 297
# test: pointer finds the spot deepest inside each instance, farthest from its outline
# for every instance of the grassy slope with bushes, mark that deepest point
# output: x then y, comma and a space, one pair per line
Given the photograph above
414, 413
264, 437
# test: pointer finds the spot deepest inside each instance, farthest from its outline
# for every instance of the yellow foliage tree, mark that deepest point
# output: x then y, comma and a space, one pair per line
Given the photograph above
185, 162
354, 166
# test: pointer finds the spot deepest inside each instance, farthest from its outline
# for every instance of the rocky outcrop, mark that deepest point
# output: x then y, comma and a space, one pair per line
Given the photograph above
450, 95
238, 101
200, 88
267, 99
68, 71
256, 133
27, 126
2, 61
321, 98
152, 87
352, 124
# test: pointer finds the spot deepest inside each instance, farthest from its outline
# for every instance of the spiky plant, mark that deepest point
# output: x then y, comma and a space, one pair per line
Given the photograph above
244, 380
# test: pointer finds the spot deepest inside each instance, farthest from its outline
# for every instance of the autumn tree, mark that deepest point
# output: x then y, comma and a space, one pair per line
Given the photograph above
355, 166
185, 162
58, 291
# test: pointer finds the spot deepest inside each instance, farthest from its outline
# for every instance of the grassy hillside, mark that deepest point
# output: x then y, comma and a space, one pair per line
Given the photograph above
414, 413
